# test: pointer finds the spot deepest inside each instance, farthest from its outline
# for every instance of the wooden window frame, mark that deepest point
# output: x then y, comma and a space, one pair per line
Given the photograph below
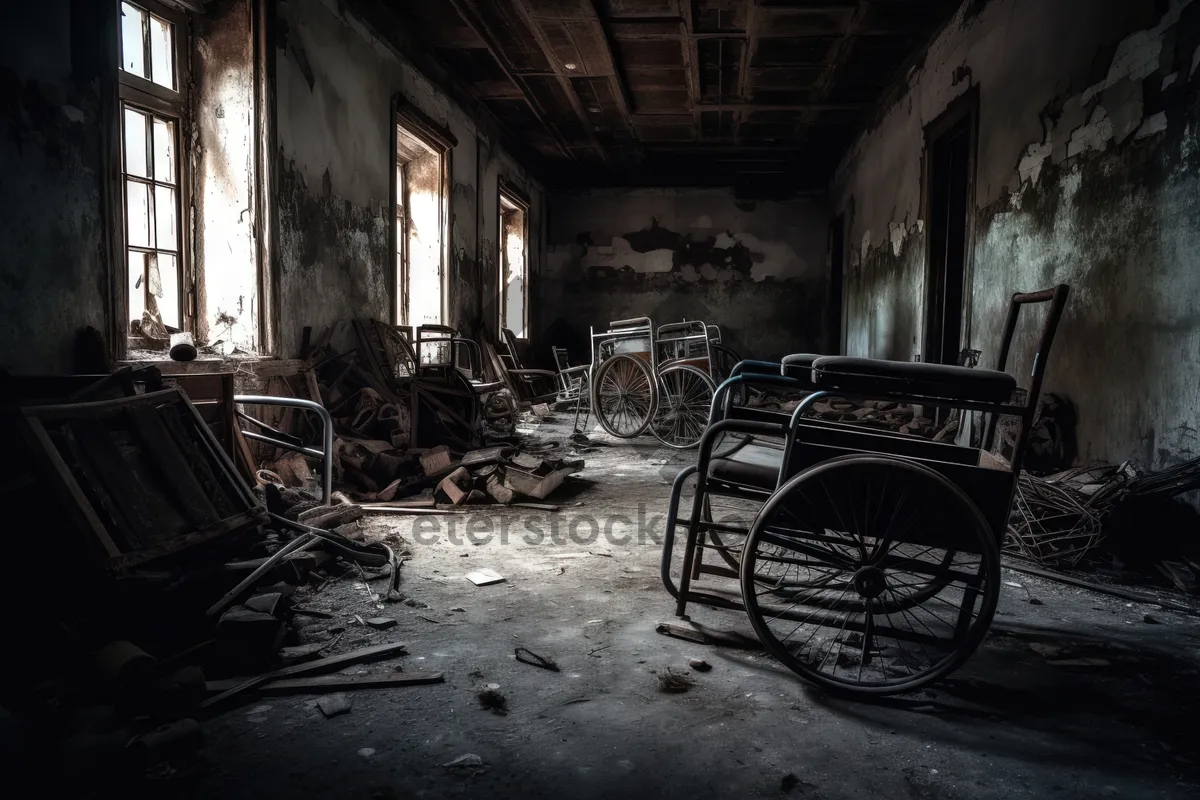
439, 139
507, 191
145, 95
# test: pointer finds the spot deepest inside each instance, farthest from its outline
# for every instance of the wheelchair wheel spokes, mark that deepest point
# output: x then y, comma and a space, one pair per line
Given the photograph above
625, 396
848, 579
684, 397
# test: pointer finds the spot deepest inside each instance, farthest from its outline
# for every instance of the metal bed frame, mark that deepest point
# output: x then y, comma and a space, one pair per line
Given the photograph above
872, 563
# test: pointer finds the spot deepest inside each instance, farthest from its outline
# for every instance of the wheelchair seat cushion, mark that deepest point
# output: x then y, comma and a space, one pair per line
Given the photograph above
918, 379
798, 366
752, 463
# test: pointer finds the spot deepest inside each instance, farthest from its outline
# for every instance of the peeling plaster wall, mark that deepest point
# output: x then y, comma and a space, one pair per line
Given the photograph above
335, 83
223, 171
53, 269
1087, 173
757, 269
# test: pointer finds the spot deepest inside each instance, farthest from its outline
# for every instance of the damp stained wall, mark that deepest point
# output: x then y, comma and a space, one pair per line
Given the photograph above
223, 182
1088, 173
54, 260
53, 268
335, 83
755, 268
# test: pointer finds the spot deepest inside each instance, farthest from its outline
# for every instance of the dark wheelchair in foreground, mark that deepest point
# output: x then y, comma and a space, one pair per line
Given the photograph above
872, 565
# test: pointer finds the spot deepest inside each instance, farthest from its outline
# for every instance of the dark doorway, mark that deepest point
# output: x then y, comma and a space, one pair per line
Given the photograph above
837, 278
950, 167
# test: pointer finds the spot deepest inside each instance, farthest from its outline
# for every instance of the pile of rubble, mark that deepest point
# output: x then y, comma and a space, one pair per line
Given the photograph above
201, 589
410, 430
1063, 519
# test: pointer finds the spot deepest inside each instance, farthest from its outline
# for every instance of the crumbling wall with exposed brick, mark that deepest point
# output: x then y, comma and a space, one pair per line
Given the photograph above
1088, 173
336, 80
755, 268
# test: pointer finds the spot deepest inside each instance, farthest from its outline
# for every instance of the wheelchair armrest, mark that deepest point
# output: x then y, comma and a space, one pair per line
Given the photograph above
762, 367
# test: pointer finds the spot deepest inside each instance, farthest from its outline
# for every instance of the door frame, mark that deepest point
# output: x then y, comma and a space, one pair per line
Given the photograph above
964, 108
837, 284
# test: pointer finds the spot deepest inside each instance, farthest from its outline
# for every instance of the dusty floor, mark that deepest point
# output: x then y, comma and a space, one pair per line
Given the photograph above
1009, 724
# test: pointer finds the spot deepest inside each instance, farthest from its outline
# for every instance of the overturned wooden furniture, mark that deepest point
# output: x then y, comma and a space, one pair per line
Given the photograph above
143, 477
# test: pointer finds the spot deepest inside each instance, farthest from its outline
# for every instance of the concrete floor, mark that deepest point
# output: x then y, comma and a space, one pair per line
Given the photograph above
1009, 724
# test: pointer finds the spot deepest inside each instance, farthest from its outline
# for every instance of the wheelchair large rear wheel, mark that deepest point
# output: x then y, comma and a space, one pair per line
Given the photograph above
684, 397
624, 395
870, 574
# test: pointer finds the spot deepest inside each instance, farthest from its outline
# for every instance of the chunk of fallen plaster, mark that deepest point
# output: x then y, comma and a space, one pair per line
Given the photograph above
332, 705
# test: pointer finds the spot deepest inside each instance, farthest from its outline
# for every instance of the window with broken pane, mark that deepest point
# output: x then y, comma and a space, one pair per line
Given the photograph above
152, 104
147, 45
151, 215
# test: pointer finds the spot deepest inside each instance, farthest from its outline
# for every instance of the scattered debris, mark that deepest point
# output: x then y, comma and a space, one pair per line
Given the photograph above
381, 623
323, 683
491, 698
527, 656
1125, 594
468, 762
707, 636
671, 681
325, 664
332, 705
1061, 518
485, 577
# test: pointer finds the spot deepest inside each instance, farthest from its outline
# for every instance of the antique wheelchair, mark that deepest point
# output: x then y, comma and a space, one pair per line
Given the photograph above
872, 564
658, 379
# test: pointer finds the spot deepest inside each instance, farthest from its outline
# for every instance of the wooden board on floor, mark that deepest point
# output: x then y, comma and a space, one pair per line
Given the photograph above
332, 683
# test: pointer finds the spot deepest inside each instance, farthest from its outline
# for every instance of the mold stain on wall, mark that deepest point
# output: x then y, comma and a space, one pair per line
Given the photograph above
337, 80
755, 269
53, 265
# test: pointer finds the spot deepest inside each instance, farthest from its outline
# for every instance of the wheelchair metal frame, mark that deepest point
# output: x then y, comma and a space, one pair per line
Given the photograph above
986, 484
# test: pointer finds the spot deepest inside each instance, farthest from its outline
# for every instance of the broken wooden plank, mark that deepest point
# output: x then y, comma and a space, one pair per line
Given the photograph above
413, 502
537, 506
69, 490
320, 665
332, 683
708, 636
481, 458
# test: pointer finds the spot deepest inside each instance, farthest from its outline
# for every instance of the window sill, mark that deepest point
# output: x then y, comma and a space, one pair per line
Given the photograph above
259, 366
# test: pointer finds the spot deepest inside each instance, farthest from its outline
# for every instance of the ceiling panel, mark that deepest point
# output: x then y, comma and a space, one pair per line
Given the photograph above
644, 90
793, 51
